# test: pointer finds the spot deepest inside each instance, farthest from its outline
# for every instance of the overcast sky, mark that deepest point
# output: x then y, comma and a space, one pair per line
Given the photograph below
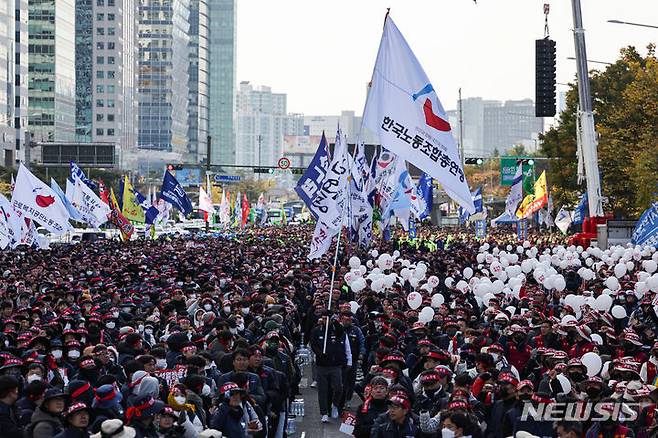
321, 52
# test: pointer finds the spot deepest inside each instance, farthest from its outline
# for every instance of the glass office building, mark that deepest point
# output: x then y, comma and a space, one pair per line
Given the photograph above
51, 87
222, 80
198, 79
163, 80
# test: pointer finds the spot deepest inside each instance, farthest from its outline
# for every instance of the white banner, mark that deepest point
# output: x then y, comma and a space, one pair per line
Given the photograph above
332, 199
12, 221
405, 111
516, 192
36, 200
94, 211
563, 220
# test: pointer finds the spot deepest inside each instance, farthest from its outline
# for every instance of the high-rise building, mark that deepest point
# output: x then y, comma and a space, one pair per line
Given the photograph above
13, 80
349, 123
492, 126
51, 112
106, 72
222, 15
163, 75
198, 78
261, 124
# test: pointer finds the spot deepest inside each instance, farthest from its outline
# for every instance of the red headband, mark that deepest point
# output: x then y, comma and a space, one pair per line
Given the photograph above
78, 392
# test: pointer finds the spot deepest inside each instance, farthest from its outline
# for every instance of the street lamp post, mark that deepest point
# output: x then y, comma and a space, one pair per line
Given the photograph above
651, 26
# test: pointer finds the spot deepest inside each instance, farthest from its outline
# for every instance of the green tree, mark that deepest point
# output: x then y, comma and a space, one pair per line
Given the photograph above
518, 150
625, 99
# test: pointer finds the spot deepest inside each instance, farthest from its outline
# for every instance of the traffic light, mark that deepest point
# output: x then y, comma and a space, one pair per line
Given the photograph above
545, 78
174, 167
474, 161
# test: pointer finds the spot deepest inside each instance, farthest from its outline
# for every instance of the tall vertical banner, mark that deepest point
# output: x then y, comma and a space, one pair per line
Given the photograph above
130, 207
480, 228
646, 229
404, 110
92, 210
310, 184
522, 229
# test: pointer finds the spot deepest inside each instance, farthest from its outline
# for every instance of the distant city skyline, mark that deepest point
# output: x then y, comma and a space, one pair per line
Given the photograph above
322, 53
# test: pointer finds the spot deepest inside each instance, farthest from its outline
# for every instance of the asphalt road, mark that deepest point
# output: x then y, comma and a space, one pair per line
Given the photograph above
310, 425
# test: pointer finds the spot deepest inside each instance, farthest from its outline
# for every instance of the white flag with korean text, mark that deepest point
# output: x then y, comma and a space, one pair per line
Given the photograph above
11, 221
34, 199
93, 211
403, 108
563, 220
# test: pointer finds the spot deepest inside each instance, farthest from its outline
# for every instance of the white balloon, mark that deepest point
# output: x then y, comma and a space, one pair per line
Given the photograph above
405, 273
363, 270
468, 273
396, 254
374, 253
433, 281
488, 297
603, 302
620, 270
597, 339
419, 274
377, 285
348, 278
414, 299
630, 266
462, 285
650, 266
355, 262
652, 282
448, 282
526, 266
426, 315
618, 312
358, 285
356, 273
421, 267
612, 283
413, 281
480, 258
593, 363
369, 264
354, 306
559, 283
437, 300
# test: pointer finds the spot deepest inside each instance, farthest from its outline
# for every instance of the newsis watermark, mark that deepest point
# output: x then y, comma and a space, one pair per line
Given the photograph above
582, 411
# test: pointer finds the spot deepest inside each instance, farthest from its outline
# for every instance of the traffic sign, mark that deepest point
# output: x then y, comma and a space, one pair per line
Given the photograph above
283, 163
226, 178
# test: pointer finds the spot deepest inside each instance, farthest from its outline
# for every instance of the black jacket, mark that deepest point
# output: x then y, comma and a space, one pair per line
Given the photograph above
335, 354
385, 427
72, 432
365, 418
9, 422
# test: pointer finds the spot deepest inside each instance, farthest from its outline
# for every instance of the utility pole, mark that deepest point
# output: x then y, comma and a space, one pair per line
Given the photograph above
208, 150
587, 127
461, 128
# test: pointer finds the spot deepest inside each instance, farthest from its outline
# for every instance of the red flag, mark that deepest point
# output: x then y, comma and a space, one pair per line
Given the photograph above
102, 190
245, 209
118, 219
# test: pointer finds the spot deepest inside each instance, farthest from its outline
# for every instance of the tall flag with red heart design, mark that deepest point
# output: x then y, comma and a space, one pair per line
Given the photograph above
34, 199
404, 110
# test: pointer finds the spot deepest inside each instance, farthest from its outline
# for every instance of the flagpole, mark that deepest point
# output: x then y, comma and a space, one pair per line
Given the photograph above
331, 288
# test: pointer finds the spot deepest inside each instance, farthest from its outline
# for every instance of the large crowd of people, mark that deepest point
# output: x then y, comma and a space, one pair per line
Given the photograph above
199, 337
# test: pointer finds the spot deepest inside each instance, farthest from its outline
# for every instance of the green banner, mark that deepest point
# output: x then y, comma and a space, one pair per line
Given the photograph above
508, 167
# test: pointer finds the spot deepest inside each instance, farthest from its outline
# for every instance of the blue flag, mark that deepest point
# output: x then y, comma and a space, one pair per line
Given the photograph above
412, 228
425, 192
476, 197
646, 229
582, 210
76, 172
73, 212
174, 193
309, 185
150, 212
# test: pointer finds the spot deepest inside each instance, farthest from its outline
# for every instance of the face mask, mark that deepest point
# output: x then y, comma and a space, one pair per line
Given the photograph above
180, 399
73, 354
115, 314
207, 306
179, 283
140, 328
126, 309
206, 390
245, 310
447, 433
240, 327
110, 325
227, 310
33, 378
389, 381
57, 354
148, 331
233, 330
495, 357
161, 364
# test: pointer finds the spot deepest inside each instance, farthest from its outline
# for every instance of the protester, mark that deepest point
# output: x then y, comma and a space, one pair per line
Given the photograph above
200, 335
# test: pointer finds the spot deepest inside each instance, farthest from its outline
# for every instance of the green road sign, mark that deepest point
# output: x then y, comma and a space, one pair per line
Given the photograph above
508, 167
